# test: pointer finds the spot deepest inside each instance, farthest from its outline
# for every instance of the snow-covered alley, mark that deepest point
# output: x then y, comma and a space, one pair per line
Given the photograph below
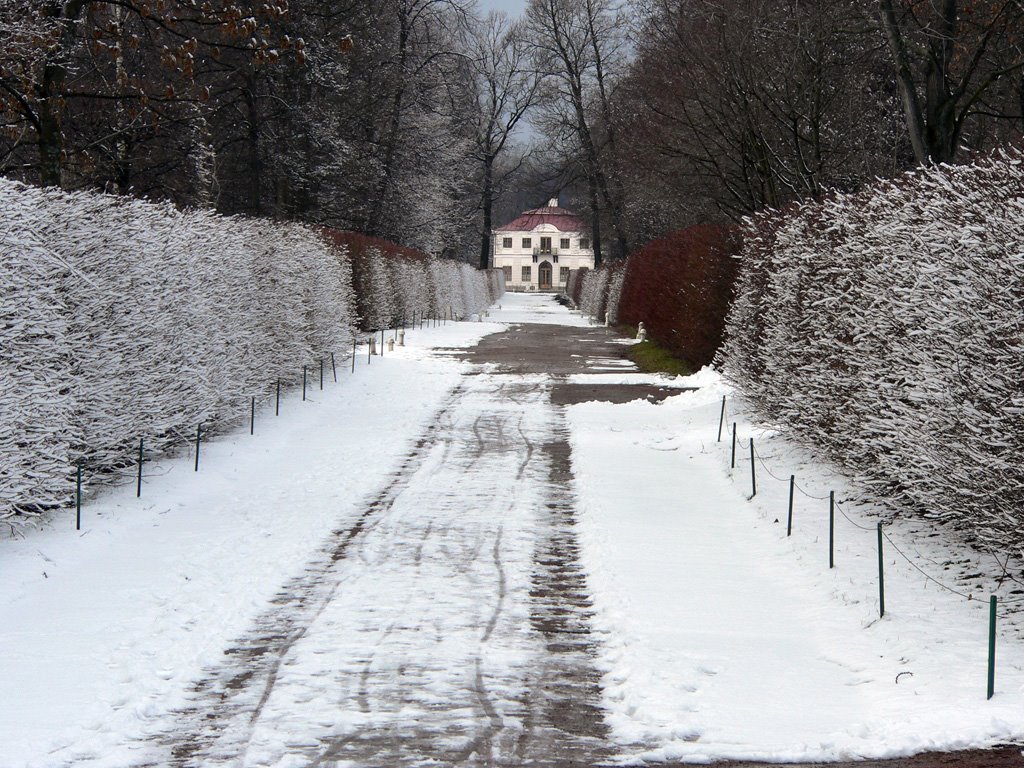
496, 545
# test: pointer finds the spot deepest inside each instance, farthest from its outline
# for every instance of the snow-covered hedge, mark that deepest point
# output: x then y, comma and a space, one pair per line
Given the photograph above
594, 293
574, 286
124, 320
887, 328
121, 320
393, 283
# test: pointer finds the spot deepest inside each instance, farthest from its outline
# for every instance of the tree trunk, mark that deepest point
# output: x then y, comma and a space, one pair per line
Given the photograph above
374, 225
905, 81
595, 219
487, 202
50, 140
253, 146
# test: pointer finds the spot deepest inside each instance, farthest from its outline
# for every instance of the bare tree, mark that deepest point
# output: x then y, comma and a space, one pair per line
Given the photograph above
578, 47
743, 104
950, 60
502, 88
136, 56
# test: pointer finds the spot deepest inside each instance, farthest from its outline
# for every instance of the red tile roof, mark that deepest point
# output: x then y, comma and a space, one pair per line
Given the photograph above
561, 219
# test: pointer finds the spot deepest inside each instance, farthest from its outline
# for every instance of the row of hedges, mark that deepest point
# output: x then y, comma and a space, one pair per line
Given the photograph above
393, 282
887, 329
122, 320
678, 286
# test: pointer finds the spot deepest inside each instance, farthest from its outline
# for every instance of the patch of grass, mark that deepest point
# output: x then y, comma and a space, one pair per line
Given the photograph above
650, 358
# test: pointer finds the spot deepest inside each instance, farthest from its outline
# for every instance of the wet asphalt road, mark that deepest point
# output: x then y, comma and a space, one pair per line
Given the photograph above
450, 624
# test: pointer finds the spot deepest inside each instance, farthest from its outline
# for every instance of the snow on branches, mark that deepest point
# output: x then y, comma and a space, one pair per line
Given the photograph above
125, 320
886, 327
122, 319
393, 283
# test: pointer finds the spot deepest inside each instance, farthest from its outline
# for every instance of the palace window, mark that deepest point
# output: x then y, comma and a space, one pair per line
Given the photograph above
564, 243
545, 245
508, 273
584, 242
563, 275
506, 242
526, 274
527, 242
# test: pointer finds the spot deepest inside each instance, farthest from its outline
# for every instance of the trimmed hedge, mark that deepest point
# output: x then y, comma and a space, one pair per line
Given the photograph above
122, 319
678, 286
886, 328
393, 282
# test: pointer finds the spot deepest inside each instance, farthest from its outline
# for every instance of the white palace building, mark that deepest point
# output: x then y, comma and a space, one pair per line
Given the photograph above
538, 248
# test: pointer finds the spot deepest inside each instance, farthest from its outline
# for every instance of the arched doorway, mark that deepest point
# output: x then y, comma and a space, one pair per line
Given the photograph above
544, 276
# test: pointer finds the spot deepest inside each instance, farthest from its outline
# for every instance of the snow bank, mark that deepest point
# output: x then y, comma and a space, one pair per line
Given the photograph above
886, 328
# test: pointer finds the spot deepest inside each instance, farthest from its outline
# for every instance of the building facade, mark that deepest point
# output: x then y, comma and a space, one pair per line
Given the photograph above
537, 249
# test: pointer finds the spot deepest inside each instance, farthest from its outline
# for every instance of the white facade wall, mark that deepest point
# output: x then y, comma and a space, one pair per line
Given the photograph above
512, 259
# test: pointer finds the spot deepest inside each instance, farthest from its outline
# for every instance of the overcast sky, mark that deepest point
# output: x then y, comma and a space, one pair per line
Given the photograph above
511, 7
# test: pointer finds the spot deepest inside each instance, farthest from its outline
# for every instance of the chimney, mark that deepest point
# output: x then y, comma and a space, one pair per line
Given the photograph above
553, 202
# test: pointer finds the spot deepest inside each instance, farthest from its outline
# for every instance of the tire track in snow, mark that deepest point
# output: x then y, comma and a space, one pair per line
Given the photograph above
495, 669
224, 696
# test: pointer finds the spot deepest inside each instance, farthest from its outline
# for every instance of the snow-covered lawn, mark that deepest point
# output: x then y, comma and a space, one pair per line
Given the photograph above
726, 639
719, 636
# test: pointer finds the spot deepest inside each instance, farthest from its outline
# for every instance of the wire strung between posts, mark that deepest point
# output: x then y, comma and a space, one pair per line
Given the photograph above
902, 554
781, 479
852, 521
927, 575
809, 495
767, 469
932, 579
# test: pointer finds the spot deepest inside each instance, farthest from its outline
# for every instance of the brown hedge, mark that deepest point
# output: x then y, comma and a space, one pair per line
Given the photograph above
680, 286
374, 309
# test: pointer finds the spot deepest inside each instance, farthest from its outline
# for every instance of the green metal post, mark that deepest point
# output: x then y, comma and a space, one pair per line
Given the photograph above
789, 517
991, 646
831, 529
199, 437
78, 500
881, 576
733, 464
138, 484
753, 471
721, 420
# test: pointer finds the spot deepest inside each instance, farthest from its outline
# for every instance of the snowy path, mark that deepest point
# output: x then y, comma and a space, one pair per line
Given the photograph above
448, 623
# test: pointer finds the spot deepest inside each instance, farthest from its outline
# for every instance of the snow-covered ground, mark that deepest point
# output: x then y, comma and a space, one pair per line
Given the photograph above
719, 637
103, 630
727, 639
